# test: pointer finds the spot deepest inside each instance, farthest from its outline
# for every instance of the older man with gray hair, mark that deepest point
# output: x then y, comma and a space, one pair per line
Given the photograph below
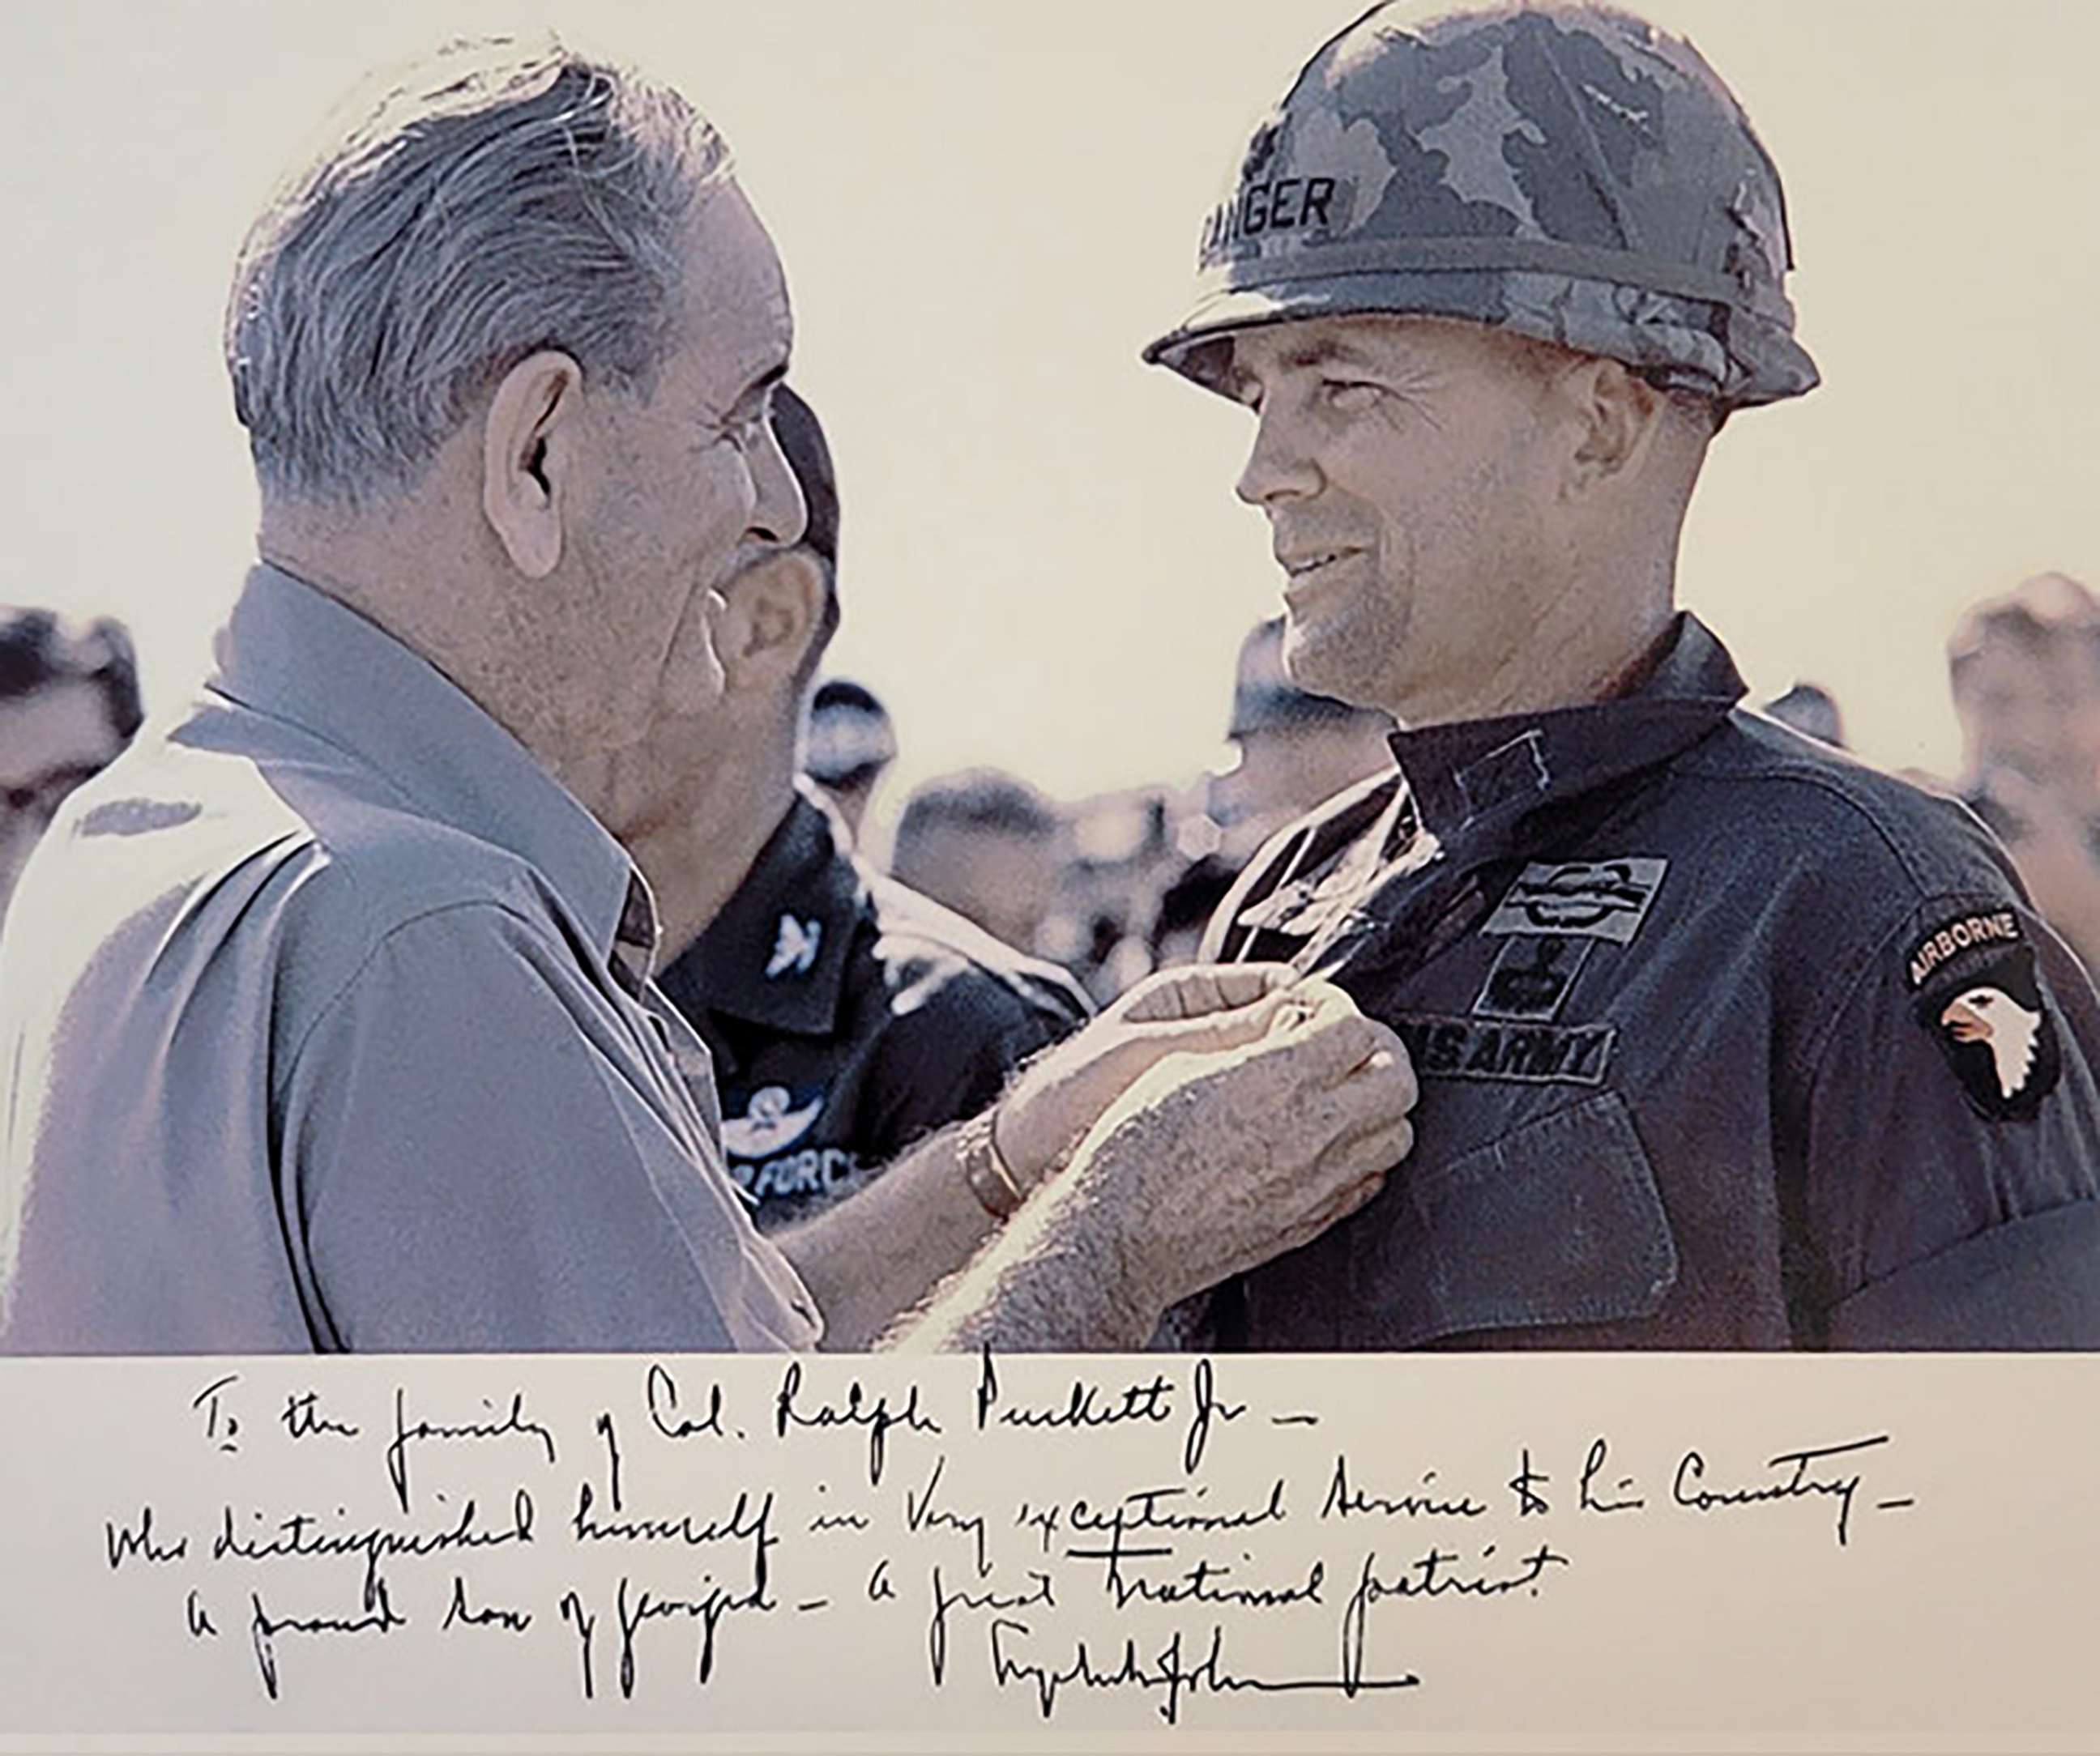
327, 1020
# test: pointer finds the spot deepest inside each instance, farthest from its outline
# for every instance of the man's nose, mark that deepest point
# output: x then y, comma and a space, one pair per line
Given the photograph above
778, 514
1278, 467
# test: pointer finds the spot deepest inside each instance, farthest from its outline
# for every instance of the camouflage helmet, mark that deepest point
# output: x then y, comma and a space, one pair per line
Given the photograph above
1567, 172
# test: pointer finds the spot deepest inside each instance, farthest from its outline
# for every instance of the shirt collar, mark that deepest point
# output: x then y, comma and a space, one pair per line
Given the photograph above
1475, 776
775, 955
291, 651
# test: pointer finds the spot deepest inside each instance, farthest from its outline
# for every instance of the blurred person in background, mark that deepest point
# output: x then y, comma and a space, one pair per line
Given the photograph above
848, 745
2024, 670
987, 845
847, 1015
68, 703
1116, 854
1812, 710
1295, 748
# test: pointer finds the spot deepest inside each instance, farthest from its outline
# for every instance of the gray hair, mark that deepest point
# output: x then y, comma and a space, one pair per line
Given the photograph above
497, 200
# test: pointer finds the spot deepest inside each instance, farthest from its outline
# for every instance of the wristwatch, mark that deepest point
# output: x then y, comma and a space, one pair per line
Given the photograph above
985, 1169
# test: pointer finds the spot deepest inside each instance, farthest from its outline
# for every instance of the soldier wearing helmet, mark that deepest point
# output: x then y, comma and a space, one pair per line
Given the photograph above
1724, 1039
1292, 748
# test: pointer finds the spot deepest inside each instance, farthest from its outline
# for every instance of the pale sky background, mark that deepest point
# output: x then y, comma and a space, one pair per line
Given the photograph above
986, 210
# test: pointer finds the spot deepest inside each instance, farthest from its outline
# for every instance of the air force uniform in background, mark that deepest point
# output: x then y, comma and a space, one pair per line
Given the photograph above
849, 1016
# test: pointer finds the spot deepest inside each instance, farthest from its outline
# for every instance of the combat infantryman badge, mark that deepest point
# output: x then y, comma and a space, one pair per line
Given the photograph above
1979, 994
1582, 899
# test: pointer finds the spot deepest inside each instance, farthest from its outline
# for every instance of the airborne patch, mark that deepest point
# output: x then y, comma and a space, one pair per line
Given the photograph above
1583, 899
1980, 997
1534, 1055
1945, 944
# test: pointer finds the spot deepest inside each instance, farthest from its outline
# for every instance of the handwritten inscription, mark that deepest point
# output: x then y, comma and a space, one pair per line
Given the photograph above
1129, 1540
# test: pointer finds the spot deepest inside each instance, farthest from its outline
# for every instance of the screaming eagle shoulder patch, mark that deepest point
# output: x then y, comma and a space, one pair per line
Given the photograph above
1977, 991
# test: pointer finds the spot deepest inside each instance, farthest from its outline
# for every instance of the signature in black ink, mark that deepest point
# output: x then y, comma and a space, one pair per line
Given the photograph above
1165, 1674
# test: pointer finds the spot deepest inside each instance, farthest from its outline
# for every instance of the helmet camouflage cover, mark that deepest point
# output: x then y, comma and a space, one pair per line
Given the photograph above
1568, 173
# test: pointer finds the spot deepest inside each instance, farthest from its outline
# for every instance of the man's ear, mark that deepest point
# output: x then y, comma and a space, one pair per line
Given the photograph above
1618, 416
527, 451
775, 610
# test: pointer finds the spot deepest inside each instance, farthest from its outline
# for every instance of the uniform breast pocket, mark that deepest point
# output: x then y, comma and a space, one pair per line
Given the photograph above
1556, 1222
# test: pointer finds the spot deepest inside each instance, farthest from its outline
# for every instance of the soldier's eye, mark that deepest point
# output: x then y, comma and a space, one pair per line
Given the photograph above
1346, 393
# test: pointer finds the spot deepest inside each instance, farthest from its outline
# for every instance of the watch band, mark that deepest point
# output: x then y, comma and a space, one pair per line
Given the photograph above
985, 1169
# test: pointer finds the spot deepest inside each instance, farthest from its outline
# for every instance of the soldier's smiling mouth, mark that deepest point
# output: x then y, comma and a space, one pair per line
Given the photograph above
1304, 566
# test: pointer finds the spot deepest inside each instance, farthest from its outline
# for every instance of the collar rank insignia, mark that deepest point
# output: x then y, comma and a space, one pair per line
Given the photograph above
1978, 991
794, 948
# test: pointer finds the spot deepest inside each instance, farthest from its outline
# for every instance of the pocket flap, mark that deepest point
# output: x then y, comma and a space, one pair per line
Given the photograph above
1558, 1221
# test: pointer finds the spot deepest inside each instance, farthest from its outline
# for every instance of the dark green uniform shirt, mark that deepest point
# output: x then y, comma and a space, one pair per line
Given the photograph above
1725, 1040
